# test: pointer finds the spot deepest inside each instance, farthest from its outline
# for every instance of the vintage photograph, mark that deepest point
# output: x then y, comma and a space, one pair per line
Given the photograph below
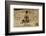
26, 17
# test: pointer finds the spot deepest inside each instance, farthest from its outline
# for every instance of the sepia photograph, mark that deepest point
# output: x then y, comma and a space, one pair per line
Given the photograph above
26, 17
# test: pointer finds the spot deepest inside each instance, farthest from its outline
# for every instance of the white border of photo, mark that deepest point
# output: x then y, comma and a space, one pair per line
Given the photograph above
22, 29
